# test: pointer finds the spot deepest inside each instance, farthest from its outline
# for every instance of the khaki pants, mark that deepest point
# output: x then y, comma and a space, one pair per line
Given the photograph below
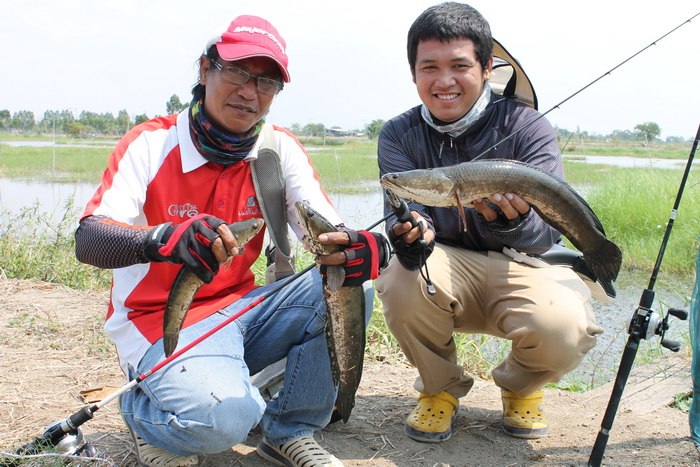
545, 313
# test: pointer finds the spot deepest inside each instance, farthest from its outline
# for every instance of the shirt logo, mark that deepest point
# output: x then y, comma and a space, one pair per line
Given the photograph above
250, 208
183, 210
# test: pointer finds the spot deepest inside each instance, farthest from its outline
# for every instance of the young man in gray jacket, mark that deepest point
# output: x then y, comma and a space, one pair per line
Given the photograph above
544, 312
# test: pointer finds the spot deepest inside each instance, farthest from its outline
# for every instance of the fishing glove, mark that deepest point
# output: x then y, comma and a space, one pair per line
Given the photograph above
411, 255
188, 243
367, 255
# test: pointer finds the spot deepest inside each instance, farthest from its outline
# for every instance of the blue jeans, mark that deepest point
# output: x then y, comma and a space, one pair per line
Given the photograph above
203, 402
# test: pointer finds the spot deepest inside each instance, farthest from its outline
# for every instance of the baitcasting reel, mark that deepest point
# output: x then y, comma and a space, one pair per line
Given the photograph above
646, 323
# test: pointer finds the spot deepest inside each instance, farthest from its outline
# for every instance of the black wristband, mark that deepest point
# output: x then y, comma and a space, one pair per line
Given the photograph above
155, 239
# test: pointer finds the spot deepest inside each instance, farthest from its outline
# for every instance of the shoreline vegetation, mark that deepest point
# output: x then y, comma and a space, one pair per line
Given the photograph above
634, 205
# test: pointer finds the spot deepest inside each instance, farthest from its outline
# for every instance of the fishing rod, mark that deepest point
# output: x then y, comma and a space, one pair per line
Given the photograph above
57, 431
644, 324
556, 106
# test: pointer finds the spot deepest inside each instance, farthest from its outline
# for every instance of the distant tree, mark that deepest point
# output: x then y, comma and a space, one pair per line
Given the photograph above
174, 105
314, 129
5, 117
374, 128
625, 135
123, 121
648, 130
140, 119
675, 139
75, 129
295, 128
23, 120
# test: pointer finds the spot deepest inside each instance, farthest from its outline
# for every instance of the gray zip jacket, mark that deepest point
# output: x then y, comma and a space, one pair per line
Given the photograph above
407, 142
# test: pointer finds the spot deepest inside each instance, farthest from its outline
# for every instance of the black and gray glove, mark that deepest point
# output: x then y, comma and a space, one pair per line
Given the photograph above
411, 255
188, 243
367, 255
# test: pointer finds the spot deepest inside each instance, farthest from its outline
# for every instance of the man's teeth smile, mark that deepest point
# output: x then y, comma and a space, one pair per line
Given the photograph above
447, 97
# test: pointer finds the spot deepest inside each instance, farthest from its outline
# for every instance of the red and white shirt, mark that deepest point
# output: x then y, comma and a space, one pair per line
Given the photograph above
156, 175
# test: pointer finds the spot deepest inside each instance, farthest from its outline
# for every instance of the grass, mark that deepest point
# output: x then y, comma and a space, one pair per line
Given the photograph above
634, 205
69, 164
34, 246
628, 148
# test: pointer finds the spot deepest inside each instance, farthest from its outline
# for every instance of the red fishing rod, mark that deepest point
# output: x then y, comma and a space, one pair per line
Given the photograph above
644, 324
58, 431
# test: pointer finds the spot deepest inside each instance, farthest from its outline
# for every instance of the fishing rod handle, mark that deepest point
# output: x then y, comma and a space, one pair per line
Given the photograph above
56, 432
623, 373
400, 208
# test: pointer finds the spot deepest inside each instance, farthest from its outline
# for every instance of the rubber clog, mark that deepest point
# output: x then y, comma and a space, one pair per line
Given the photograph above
431, 420
524, 417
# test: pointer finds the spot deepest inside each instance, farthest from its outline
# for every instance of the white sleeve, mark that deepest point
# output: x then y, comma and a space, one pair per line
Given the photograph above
122, 192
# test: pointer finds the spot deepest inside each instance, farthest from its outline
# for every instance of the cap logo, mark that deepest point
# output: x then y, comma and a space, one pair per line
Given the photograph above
250, 30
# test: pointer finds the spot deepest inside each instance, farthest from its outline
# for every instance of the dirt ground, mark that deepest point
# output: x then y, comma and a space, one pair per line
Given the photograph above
52, 347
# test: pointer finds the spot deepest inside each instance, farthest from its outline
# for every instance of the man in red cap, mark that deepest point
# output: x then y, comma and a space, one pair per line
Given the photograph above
171, 186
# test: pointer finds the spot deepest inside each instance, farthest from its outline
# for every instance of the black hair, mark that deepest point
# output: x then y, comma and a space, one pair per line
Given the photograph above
198, 89
448, 21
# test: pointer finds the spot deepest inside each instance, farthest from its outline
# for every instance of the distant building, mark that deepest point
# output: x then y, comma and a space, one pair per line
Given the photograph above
340, 132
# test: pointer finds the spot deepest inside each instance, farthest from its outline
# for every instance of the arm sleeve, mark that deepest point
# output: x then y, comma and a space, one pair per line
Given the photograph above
106, 243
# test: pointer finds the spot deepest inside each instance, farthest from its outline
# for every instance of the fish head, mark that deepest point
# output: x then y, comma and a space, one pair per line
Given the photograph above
244, 231
426, 186
313, 224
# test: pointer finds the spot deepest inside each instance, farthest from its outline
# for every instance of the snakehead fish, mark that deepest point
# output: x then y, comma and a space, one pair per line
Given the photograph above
552, 198
345, 320
187, 284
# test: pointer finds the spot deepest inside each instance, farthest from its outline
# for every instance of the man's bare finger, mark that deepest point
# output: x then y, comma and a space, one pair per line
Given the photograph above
228, 240
518, 203
333, 259
334, 238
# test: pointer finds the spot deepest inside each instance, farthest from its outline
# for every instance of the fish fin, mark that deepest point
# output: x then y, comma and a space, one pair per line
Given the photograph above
335, 276
605, 262
460, 208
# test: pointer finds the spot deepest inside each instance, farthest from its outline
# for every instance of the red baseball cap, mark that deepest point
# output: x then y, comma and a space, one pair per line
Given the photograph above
251, 36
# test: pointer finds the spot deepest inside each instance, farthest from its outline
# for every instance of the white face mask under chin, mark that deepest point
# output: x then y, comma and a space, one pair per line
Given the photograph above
458, 127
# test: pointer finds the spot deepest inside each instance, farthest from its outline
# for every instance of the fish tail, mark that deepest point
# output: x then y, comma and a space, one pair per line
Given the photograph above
345, 402
605, 261
170, 344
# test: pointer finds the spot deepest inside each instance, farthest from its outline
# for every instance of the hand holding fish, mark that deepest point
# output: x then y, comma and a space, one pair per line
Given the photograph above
201, 243
333, 238
363, 254
409, 234
511, 204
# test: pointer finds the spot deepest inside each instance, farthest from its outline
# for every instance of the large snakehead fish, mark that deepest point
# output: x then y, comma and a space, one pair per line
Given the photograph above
557, 203
187, 284
345, 316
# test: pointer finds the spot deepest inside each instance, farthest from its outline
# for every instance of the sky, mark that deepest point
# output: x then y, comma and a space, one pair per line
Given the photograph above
348, 59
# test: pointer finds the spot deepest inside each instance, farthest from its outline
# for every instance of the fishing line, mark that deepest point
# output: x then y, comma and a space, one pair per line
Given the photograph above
556, 106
